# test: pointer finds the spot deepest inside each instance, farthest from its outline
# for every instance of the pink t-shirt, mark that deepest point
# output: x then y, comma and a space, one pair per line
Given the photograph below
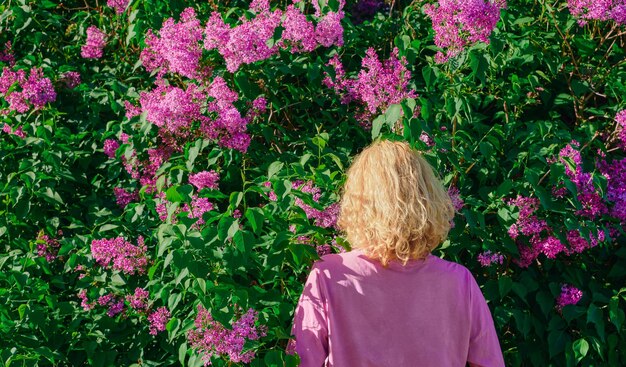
431, 312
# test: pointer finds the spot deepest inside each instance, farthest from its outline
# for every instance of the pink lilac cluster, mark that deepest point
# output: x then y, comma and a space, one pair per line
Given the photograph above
48, 247
211, 338
6, 55
84, 300
229, 127
110, 147
323, 218
177, 48
204, 179
119, 254
615, 172
19, 132
248, 42
158, 320
570, 295
96, 40
118, 5
71, 79
139, 300
123, 197
115, 305
198, 207
586, 10
487, 258
590, 199
461, 23
427, 139
377, 86
34, 91
455, 196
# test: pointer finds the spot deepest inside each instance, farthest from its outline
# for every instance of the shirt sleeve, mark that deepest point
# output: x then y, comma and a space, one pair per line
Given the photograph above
484, 347
310, 326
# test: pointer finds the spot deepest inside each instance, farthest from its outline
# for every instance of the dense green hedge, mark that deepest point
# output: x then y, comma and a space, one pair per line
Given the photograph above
162, 184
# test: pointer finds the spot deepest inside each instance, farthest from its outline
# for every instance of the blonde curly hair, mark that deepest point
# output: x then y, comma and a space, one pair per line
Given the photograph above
393, 207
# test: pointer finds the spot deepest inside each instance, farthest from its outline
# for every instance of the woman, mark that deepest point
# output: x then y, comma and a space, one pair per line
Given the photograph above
390, 302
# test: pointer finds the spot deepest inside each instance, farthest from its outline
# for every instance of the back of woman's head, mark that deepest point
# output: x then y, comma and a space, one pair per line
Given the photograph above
393, 206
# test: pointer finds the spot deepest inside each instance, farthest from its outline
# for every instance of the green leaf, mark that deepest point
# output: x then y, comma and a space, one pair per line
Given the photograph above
226, 228
274, 168
256, 218
580, 347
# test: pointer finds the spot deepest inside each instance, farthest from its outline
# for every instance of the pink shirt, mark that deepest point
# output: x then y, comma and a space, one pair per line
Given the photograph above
431, 312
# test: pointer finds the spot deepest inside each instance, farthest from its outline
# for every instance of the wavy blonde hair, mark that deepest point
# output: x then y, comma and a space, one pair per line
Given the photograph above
393, 206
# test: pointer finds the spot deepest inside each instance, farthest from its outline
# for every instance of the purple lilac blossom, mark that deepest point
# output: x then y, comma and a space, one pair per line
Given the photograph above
204, 179
71, 79
177, 49
119, 254
96, 40
377, 86
6, 55
158, 320
118, 5
461, 23
487, 258
602, 10
17, 132
47, 247
85, 304
139, 300
570, 295
211, 338
36, 90
123, 197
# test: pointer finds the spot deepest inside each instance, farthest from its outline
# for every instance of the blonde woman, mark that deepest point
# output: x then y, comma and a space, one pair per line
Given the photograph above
389, 301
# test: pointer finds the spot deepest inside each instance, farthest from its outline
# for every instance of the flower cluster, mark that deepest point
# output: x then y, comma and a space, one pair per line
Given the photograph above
586, 10
248, 42
19, 132
177, 49
196, 209
71, 79
123, 197
204, 179
487, 258
158, 320
570, 295
211, 338
139, 300
461, 23
34, 91
6, 55
120, 254
118, 5
323, 218
620, 119
589, 198
115, 305
96, 40
377, 86
48, 247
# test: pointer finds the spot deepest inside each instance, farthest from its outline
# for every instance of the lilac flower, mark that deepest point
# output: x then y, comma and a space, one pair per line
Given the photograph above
487, 258
620, 118
121, 255
110, 147
299, 33
427, 139
210, 337
204, 179
118, 5
615, 172
329, 31
551, 247
47, 247
6, 55
378, 84
177, 49
17, 132
115, 308
139, 300
71, 79
570, 295
455, 196
460, 23
85, 304
158, 319
123, 197
131, 110
260, 104
586, 10
36, 90
96, 40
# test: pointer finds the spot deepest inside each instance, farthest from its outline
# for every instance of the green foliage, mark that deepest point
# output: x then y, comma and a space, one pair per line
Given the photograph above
497, 114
